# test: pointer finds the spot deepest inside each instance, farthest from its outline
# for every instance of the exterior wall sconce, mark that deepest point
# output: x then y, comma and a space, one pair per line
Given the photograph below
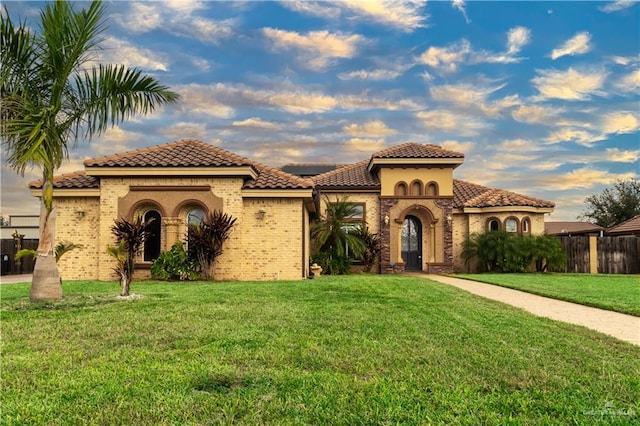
386, 219
449, 219
80, 214
260, 214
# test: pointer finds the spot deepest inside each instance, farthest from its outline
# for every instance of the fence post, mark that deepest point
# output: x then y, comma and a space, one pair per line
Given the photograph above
593, 254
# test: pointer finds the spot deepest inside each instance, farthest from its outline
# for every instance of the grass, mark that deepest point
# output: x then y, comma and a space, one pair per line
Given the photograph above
619, 293
333, 351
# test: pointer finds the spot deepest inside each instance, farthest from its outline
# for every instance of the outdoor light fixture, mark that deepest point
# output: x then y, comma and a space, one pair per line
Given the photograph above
386, 219
449, 219
260, 214
80, 214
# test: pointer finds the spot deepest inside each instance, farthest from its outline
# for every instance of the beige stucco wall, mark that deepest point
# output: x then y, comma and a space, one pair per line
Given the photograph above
273, 247
77, 220
389, 177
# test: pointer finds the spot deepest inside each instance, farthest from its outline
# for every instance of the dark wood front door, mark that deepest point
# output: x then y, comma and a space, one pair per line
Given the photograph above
412, 244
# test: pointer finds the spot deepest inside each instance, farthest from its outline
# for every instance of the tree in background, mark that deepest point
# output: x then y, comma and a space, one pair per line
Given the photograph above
614, 205
130, 236
52, 95
207, 238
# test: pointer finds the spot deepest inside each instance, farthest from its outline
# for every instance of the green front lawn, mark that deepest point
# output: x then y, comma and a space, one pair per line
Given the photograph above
613, 292
337, 350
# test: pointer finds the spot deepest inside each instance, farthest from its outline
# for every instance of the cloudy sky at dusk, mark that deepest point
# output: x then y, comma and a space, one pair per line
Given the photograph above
543, 98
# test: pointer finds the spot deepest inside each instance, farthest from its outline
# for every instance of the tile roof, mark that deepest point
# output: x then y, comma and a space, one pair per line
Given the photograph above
354, 176
75, 180
470, 195
182, 153
416, 150
575, 228
628, 227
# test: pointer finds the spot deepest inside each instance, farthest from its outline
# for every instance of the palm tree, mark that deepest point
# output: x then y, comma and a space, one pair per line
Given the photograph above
52, 95
334, 236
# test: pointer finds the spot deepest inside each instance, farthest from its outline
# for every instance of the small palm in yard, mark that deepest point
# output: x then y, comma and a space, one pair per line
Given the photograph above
207, 238
52, 95
131, 236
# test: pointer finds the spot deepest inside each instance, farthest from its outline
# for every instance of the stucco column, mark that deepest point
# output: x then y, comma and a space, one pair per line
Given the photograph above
171, 224
593, 254
432, 237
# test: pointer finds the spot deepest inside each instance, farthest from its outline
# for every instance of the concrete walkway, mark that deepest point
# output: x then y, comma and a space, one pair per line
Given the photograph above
622, 326
12, 279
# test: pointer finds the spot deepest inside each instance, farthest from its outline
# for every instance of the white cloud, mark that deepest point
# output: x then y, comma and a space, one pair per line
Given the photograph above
140, 18
402, 15
536, 114
618, 156
617, 5
474, 97
518, 145
620, 122
188, 130
364, 145
452, 121
316, 48
579, 136
517, 38
375, 128
255, 122
460, 5
116, 51
629, 83
570, 85
375, 74
405, 16
200, 99
446, 59
576, 45
452, 145
581, 178
546, 166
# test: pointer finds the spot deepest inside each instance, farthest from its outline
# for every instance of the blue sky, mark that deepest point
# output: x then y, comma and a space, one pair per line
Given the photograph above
542, 97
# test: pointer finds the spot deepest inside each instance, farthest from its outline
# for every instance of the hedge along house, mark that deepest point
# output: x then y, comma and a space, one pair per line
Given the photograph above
407, 194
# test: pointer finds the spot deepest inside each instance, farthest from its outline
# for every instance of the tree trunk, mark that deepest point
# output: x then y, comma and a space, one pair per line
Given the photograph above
45, 284
125, 284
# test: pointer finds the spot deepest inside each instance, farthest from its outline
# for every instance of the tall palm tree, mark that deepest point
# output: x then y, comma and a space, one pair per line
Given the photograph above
52, 95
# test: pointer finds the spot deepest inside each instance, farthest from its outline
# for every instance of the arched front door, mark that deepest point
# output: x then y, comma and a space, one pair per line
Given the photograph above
412, 243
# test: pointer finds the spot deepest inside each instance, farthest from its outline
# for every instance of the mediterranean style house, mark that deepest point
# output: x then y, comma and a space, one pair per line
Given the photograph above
406, 194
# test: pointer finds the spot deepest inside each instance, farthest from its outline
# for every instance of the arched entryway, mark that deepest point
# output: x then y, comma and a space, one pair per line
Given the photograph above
411, 240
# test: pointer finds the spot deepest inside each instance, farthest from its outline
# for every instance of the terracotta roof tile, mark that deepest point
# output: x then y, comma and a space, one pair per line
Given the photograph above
75, 180
355, 176
631, 227
416, 150
466, 194
183, 153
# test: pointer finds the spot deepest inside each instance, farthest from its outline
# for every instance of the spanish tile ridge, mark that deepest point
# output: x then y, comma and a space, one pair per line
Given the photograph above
416, 150
343, 169
474, 195
352, 175
168, 154
78, 179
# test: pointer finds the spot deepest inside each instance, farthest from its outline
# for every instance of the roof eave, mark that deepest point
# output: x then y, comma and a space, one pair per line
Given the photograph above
375, 163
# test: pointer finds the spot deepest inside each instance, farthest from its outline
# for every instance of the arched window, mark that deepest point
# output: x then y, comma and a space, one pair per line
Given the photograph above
401, 189
511, 224
493, 225
152, 243
431, 189
195, 216
526, 226
416, 187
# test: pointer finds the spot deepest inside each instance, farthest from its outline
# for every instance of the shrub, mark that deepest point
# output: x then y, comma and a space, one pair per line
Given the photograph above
207, 238
371, 250
175, 265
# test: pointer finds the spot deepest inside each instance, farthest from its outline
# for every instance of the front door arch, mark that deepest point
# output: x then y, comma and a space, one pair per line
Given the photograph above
411, 241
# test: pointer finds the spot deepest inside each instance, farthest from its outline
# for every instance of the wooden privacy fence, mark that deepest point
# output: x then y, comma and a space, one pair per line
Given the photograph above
8, 253
613, 255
